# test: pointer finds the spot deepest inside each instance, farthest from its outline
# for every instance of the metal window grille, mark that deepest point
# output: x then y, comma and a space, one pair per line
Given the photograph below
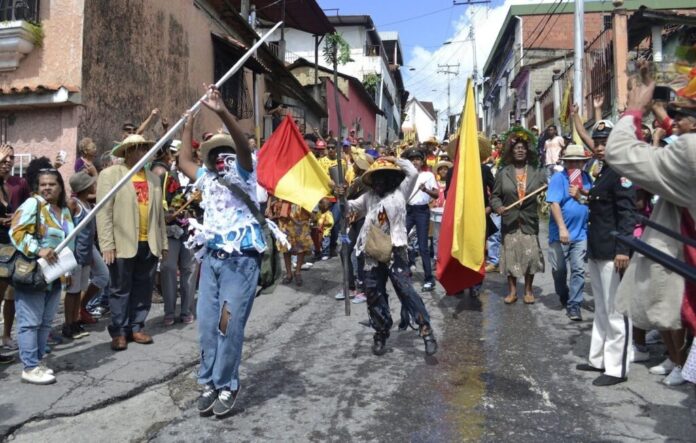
19, 10
235, 93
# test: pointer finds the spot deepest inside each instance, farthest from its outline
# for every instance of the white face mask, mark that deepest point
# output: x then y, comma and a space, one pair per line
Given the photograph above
228, 160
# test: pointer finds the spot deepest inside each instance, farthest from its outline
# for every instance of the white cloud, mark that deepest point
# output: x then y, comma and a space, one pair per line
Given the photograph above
421, 82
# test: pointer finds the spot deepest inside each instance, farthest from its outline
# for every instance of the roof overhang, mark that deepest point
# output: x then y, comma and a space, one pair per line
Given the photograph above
39, 98
305, 15
640, 24
239, 49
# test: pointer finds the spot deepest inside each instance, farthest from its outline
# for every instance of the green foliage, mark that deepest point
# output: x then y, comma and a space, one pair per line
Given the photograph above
336, 49
370, 82
37, 33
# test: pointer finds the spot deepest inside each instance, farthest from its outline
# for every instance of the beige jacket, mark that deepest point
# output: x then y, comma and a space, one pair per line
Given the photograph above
650, 294
118, 221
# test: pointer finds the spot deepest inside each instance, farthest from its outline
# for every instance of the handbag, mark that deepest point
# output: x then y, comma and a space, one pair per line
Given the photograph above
7, 258
270, 269
26, 272
378, 244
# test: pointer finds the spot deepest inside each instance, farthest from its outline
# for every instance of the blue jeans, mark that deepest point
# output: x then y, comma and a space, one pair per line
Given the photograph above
494, 242
573, 255
224, 284
419, 216
325, 246
336, 212
35, 311
99, 277
179, 260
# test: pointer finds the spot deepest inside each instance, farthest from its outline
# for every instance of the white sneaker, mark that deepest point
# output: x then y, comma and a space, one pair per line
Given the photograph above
340, 296
38, 376
639, 356
306, 266
675, 377
359, 298
653, 337
8, 344
663, 368
45, 368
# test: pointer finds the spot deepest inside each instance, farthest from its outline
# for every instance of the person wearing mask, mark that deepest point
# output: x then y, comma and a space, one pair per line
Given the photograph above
650, 294
568, 229
39, 225
384, 208
521, 255
132, 237
418, 213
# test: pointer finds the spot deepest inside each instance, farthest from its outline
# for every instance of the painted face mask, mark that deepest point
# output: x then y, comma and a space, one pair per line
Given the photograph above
225, 162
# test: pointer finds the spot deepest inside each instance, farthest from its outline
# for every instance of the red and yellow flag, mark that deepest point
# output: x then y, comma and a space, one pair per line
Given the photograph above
288, 170
460, 255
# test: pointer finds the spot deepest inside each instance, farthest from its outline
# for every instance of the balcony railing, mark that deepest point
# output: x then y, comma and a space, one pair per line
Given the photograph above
11, 10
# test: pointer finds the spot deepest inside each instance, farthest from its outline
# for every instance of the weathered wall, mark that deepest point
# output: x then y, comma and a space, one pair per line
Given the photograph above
59, 60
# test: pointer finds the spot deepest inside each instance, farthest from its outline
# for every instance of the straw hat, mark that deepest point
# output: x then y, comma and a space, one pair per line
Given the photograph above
216, 141
363, 160
444, 164
130, 141
575, 152
81, 181
381, 166
431, 141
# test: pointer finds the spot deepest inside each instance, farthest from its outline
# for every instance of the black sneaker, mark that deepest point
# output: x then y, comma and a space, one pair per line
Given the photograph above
574, 314
608, 380
207, 400
6, 359
225, 401
67, 332
379, 345
79, 331
430, 344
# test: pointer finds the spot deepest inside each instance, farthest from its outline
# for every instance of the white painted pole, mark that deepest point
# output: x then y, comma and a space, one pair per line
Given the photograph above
579, 55
169, 135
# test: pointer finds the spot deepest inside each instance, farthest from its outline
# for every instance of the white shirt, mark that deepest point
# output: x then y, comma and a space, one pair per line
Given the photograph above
419, 197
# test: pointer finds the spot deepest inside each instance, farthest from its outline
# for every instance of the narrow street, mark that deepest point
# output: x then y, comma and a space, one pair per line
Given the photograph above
503, 373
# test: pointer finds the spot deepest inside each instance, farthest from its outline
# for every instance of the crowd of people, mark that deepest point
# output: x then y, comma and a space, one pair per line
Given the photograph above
194, 222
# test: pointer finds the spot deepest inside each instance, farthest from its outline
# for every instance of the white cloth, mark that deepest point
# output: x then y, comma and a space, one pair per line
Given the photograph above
419, 197
369, 205
611, 346
689, 369
553, 148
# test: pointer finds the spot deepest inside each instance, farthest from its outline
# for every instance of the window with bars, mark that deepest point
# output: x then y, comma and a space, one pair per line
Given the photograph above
19, 10
234, 92
20, 164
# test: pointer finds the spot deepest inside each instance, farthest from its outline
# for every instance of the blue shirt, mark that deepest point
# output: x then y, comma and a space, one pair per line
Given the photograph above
248, 234
575, 214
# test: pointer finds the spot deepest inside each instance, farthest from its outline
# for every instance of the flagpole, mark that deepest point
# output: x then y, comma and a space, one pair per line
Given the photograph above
169, 135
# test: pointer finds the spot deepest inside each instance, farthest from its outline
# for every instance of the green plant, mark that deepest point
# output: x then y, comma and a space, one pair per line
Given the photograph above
37, 33
370, 82
336, 49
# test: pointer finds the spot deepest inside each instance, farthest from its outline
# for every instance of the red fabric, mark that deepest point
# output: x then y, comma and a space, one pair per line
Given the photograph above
666, 124
688, 308
575, 177
287, 147
450, 273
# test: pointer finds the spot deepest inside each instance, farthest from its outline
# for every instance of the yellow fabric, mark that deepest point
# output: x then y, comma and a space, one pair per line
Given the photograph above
469, 237
350, 176
304, 184
326, 163
326, 222
139, 181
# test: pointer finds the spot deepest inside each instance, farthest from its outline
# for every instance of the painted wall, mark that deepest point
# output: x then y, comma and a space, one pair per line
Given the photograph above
353, 109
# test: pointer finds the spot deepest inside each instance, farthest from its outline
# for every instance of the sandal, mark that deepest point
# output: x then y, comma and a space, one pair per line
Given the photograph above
287, 279
510, 299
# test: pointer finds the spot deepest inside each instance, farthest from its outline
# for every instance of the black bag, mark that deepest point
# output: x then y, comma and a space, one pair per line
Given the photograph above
270, 269
7, 258
26, 272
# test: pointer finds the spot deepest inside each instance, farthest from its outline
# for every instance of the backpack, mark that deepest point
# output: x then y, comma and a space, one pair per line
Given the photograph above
270, 269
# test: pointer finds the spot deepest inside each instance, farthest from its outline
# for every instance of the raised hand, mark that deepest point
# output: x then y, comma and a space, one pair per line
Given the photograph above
598, 101
5, 152
213, 99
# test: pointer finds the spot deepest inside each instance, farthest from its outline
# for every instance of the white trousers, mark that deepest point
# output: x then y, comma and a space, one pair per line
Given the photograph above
611, 345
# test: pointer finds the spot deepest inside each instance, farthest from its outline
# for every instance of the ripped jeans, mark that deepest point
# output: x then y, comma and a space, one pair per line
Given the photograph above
376, 293
227, 285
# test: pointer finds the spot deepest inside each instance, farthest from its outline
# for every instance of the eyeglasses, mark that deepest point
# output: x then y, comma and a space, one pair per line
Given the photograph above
51, 170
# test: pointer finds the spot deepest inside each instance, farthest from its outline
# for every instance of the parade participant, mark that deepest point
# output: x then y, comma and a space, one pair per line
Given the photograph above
232, 242
132, 236
88, 153
649, 293
568, 229
438, 205
325, 223
553, 146
612, 209
418, 213
294, 222
521, 255
328, 165
383, 239
39, 225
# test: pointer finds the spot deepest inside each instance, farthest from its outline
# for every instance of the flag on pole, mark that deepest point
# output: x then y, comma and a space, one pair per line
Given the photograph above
289, 170
460, 254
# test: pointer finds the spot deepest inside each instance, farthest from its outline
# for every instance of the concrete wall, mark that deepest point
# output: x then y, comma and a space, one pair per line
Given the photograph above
353, 109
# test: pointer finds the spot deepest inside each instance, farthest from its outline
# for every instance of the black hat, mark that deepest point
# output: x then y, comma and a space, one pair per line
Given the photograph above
602, 129
687, 110
411, 153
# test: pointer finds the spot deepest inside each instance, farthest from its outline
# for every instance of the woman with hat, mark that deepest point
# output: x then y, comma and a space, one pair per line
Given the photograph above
566, 195
383, 240
438, 205
132, 237
89, 260
39, 225
521, 255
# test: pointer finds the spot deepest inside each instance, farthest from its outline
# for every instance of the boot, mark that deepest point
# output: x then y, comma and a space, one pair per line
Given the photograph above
430, 344
380, 341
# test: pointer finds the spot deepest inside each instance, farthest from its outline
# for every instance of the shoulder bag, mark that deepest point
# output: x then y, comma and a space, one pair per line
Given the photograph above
25, 272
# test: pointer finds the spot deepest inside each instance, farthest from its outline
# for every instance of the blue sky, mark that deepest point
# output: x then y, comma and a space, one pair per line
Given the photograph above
423, 26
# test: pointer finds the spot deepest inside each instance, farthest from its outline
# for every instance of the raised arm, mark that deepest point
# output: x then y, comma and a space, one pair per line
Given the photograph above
186, 163
580, 128
149, 121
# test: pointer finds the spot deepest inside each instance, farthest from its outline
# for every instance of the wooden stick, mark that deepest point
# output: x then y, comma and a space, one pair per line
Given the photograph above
507, 208
194, 197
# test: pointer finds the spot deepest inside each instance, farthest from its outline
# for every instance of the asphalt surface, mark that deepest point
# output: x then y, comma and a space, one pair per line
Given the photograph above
502, 373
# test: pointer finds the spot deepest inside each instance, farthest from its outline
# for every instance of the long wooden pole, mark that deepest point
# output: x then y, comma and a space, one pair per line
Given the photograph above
523, 199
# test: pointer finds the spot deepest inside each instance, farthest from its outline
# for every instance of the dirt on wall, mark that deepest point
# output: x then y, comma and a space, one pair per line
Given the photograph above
136, 58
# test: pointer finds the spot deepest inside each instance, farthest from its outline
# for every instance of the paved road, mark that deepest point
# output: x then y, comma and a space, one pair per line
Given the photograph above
503, 373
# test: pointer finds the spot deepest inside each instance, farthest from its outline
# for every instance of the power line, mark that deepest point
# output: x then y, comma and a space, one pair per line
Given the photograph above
416, 17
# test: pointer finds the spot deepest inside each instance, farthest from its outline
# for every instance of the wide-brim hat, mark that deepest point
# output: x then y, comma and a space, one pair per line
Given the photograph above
431, 141
443, 164
575, 152
412, 152
81, 181
363, 160
684, 107
130, 141
216, 141
382, 166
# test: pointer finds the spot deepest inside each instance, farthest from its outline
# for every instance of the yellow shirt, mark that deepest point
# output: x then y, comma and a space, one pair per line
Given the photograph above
325, 223
139, 181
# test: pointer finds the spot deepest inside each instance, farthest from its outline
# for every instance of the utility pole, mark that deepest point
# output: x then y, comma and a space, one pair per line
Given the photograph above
579, 55
445, 70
